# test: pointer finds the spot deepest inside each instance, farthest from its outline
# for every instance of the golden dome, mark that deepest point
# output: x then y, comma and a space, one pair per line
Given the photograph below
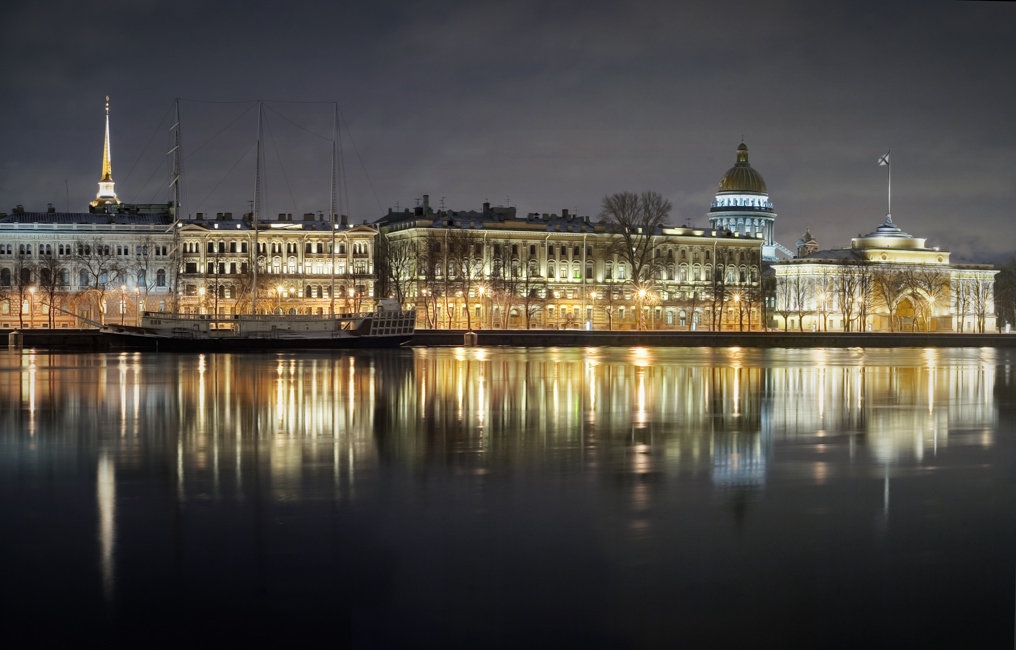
741, 177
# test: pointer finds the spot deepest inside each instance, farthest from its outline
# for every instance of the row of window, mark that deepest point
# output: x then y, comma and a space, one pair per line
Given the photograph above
226, 291
63, 278
273, 248
81, 249
620, 272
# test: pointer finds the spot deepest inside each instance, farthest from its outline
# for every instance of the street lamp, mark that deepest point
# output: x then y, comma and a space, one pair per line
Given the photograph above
480, 291
123, 304
31, 307
740, 314
641, 306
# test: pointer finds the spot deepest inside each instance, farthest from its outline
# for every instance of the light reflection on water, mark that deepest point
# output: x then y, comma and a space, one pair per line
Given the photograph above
656, 428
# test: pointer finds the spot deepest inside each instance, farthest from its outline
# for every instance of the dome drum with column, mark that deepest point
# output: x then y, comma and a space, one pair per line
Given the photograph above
742, 204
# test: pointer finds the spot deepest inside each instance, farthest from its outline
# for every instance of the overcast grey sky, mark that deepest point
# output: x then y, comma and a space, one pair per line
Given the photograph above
546, 105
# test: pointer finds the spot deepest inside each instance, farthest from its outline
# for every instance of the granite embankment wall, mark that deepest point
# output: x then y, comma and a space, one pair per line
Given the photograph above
573, 338
90, 339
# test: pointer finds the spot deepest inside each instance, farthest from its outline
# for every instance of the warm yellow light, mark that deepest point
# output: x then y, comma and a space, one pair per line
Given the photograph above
737, 297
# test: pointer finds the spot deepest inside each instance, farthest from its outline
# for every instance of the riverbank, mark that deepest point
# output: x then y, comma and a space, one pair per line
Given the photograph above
91, 339
582, 338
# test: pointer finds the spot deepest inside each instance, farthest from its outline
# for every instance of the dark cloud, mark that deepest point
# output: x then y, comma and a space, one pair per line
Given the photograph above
545, 105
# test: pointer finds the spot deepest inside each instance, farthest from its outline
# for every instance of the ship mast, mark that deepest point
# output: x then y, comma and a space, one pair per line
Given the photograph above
175, 151
331, 209
254, 213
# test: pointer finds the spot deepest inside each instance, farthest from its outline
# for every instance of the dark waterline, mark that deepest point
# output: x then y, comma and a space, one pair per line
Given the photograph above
608, 497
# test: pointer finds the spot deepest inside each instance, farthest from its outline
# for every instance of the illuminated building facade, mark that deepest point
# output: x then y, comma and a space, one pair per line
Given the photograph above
78, 269
742, 205
70, 269
495, 269
295, 260
888, 280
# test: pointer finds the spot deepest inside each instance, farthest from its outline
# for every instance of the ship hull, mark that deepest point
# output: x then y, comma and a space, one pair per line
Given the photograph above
239, 333
125, 340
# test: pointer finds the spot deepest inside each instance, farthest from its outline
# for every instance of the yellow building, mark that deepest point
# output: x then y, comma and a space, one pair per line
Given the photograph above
294, 270
495, 269
888, 280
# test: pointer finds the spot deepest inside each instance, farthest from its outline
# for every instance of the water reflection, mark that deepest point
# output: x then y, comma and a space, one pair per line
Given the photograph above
653, 434
710, 410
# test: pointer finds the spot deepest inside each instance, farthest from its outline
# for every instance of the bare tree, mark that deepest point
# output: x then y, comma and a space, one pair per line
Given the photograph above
635, 222
145, 265
742, 304
432, 275
505, 278
800, 292
932, 285
102, 269
962, 300
394, 261
24, 271
784, 304
52, 272
866, 293
1005, 293
718, 296
981, 291
532, 291
846, 289
890, 285
465, 264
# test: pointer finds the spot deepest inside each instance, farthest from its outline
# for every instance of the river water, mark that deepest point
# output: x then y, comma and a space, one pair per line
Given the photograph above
505, 497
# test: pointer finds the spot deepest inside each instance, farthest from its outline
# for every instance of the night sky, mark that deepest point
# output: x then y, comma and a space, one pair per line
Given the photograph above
541, 105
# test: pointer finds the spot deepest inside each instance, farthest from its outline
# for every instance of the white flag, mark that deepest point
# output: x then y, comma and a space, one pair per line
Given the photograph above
883, 161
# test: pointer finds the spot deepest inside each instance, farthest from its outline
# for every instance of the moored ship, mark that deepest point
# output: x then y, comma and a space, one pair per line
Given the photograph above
388, 326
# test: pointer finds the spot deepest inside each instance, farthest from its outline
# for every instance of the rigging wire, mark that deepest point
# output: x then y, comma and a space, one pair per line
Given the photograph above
144, 150
282, 166
298, 125
344, 205
158, 186
228, 172
223, 129
370, 184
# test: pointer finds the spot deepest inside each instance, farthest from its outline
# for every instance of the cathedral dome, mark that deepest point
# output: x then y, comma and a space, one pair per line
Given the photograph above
741, 178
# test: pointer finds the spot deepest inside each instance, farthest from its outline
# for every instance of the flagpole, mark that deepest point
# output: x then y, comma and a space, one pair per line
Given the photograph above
884, 160
889, 170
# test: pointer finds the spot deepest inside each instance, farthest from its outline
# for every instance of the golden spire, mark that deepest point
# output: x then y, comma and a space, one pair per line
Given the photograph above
107, 166
106, 193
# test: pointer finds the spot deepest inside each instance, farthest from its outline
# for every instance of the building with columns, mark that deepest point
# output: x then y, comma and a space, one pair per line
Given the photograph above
79, 269
294, 270
494, 268
887, 280
742, 206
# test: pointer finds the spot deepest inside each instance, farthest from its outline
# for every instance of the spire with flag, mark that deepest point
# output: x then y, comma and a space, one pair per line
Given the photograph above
106, 193
883, 161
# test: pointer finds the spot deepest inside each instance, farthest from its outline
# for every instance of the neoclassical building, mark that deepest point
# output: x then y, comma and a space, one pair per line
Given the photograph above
493, 268
79, 269
742, 205
887, 280
294, 271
